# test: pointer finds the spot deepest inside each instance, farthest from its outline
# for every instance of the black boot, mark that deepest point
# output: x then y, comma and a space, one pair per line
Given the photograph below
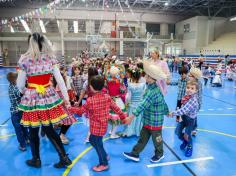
34, 162
64, 161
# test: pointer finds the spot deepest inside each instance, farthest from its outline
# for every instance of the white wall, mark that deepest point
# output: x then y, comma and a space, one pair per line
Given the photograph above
203, 31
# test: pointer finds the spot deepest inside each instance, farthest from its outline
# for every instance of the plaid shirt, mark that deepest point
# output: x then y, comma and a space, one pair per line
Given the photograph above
153, 107
190, 108
97, 109
15, 97
181, 88
78, 83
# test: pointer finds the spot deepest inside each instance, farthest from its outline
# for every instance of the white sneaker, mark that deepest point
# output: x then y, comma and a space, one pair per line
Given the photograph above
64, 139
114, 136
86, 140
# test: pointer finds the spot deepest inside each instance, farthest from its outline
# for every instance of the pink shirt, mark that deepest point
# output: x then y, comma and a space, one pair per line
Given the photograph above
162, 83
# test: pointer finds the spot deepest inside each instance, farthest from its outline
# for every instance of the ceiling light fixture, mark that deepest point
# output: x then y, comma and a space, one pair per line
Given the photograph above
166, 4
76, 26
12, 29
233, 19
42, 26
27, 29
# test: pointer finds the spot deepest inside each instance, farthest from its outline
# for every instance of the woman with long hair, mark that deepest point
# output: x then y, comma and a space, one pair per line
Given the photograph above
41, 105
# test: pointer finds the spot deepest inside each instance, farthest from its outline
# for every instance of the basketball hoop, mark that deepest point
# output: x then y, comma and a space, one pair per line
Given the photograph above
93, 39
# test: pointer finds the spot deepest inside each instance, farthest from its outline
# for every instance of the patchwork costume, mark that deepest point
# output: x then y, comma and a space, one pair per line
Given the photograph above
41, 105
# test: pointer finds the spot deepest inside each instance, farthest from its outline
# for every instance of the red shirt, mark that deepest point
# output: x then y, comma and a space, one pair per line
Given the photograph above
97, 109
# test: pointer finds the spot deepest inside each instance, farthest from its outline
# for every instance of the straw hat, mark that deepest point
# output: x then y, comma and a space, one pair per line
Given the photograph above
153, 70
113, 57
196, 72
114, 71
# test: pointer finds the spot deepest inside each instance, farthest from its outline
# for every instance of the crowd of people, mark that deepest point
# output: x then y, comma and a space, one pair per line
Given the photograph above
46, 94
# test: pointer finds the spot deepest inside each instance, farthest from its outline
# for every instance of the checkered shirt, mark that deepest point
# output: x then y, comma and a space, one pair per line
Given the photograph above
190, 108
97, 109
15, 97
153, 107
181, 88
78, 83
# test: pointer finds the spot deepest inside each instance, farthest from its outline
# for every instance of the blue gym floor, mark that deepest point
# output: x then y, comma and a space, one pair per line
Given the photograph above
216, 138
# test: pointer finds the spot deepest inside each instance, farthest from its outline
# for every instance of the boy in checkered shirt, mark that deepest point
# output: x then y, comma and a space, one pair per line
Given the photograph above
16, 115
97, 109
188, 113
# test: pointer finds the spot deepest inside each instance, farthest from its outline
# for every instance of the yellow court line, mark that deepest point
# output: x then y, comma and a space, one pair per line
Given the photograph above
6, 136
217, 114
209, 131
78, 157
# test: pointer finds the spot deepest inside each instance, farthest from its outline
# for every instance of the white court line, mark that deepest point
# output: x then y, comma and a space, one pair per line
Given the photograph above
230, 108
3, 125
180, 162
211, 109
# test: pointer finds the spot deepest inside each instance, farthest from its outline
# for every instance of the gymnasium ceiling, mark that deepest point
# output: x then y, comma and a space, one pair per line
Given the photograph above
186, 8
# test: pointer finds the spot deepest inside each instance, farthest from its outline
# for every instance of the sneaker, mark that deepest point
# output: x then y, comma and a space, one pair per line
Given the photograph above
34, 163
114, 136
64, 139
183, 145
23, 149
86, 140
156, 159
100, 168
131, 156
194, 133
64, 162
189, 151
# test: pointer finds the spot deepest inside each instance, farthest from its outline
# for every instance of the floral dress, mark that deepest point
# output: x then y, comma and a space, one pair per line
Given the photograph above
41, 105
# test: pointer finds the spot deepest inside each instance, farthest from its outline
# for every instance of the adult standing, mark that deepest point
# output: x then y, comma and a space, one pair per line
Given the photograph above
41, 105
155, 57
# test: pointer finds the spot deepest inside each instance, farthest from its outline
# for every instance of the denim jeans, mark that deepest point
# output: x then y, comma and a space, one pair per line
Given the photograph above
22, 133
97, 143
187, 124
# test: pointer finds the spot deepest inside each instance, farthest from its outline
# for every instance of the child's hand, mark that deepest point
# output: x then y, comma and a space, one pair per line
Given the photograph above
76, 104
128, 120
67, 104
170, 114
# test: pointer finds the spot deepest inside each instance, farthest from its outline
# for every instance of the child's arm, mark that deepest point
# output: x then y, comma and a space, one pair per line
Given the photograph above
80, 110
145, 104
117, 110
189, 106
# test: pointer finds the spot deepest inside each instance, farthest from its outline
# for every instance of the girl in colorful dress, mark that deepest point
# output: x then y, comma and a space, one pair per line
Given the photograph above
134, 97
40, 103
116, 90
